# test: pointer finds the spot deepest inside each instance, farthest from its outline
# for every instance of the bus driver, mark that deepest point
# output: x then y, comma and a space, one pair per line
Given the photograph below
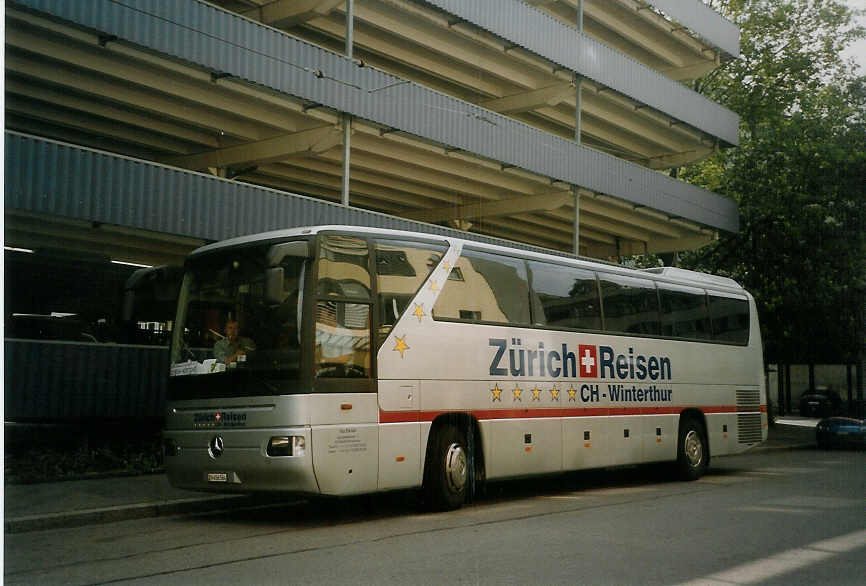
233, 346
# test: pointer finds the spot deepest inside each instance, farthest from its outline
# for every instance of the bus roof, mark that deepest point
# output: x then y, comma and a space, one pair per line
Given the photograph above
669, 274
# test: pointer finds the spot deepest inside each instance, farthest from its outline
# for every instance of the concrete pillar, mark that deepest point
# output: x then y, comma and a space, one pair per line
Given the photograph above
347, 120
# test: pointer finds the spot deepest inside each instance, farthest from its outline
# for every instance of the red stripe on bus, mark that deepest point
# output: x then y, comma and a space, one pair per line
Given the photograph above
492, 414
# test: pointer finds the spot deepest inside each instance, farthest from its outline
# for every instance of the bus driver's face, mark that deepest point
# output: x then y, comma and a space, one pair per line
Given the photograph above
232, 330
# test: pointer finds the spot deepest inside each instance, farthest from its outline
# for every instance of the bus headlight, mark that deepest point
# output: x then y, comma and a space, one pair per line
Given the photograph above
170, 448
291, 445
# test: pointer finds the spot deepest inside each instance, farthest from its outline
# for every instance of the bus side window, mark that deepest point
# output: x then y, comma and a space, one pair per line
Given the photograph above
401, 270
490, 288
684, 312
342, 340
568, 296
630, 305
343, 267
342, 348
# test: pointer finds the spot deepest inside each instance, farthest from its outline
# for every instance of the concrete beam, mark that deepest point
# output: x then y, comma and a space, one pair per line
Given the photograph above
313, 141
72, 101
679, 244
547, 96
128, 71
286, 13
506, 207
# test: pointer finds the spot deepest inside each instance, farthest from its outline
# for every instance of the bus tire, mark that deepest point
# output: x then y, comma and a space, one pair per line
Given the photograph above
692, 451
446, 477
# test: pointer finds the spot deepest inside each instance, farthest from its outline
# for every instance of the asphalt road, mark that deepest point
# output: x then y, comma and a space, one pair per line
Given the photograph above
777, 517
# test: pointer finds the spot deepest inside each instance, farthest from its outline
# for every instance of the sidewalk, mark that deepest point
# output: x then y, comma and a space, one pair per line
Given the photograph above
789, 432
72, 503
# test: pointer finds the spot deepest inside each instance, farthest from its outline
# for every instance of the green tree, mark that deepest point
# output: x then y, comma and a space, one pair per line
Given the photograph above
799, 176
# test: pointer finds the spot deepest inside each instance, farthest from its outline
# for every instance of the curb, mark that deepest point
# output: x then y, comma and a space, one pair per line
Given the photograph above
83, 517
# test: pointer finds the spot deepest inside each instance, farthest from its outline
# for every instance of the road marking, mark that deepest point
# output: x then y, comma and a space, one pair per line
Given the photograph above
816, 502
788, 470
725, 479
617, 490
785, 562
759, 509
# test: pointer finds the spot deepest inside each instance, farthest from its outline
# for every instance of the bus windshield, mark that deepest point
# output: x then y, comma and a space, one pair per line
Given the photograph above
239, 314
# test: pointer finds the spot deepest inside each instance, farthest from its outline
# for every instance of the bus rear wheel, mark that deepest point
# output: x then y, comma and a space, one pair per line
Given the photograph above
692, 451
447, 472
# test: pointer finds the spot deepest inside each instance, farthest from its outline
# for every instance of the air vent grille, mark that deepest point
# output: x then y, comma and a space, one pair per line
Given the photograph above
748, 400
749, 428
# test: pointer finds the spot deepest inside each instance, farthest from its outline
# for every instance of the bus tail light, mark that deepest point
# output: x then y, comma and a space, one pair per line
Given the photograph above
287, 445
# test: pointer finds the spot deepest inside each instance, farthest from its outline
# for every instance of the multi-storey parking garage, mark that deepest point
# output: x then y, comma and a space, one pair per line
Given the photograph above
138, 130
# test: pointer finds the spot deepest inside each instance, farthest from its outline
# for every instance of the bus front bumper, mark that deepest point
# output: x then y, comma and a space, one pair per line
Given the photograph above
241, 461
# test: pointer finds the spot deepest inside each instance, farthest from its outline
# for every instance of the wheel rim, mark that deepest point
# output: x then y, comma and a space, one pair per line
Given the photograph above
694, 449
455, 468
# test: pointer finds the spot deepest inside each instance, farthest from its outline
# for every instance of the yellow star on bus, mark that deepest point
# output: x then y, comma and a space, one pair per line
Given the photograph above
446, 265
434, 286
571, 394
401, 346
554, 394
497, 394
419, 311
536, 394
516, 392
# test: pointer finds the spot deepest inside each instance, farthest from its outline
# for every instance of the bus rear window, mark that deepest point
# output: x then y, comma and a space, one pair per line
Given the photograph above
729, 317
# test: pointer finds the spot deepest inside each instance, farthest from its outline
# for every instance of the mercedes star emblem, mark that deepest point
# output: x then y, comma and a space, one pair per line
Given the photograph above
215, 447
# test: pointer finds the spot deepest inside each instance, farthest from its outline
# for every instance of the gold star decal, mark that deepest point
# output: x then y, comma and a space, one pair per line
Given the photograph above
401, 346
554, 394
516, 392
419, 311
434, 286
536, 394
571, 394
497, 394
446, 265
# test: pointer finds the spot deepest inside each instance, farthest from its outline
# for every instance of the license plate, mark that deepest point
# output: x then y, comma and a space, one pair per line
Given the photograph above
217, 477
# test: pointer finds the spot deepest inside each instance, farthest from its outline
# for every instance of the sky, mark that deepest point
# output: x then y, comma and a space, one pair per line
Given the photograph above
858, 50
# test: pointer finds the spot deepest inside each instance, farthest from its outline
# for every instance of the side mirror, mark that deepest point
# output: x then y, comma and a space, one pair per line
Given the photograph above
274, 294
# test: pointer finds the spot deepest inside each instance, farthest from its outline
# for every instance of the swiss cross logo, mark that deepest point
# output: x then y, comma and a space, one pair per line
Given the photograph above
588, 360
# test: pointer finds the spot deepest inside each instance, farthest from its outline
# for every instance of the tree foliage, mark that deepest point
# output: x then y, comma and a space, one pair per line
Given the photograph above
799, 176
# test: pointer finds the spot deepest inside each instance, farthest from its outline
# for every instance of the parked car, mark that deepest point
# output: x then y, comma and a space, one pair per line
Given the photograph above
820, 402
841, 431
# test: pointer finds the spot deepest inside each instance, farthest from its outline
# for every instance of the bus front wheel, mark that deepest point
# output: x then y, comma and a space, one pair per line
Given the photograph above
692, 451
447, 474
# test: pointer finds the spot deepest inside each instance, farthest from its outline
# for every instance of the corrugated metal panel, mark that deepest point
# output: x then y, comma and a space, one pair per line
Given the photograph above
101, 187
220, 41
704, 22
66, 380
552, 39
